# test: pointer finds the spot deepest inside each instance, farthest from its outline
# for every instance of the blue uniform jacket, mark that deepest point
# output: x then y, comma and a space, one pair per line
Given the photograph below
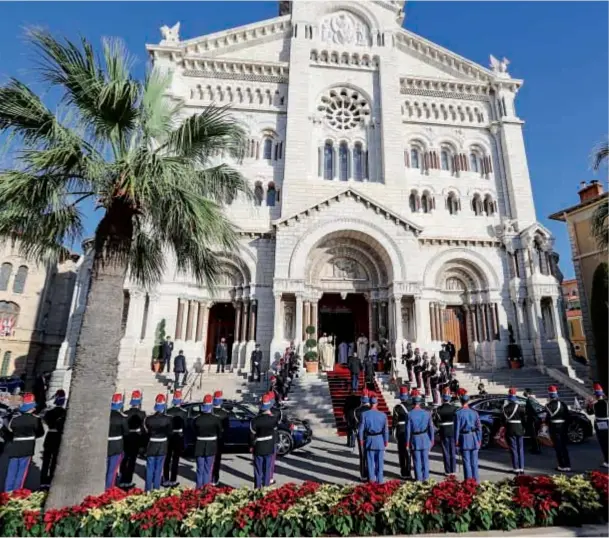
468, 432
374, 430
419, 430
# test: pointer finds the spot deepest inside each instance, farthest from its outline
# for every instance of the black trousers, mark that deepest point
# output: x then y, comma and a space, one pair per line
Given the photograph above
172, 460
560, 439
351, 436
133, 442
603, 439
221, 364
256, 372
49, 457
404, 456
534, 446
215, 477
363, 464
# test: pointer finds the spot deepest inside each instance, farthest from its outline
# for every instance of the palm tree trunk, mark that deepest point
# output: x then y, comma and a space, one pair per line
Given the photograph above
82, 457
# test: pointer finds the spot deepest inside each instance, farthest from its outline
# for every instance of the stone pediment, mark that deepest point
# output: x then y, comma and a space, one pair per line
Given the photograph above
352, 194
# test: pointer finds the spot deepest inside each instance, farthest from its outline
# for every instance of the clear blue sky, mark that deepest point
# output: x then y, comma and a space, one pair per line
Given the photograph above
558, 48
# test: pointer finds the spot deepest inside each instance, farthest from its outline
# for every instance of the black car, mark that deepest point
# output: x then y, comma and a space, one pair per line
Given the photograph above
292, 433
489, 408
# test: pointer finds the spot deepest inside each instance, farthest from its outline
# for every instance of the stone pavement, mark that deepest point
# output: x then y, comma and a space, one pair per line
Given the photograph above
327, 459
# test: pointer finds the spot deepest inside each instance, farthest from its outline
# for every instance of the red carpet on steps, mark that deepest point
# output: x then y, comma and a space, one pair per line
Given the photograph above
339, 383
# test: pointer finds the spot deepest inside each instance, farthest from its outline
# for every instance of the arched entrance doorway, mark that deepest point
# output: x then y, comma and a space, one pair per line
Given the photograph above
221, 325
343, 317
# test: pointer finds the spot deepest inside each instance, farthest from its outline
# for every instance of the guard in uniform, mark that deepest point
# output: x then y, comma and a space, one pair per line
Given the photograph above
176, 441
351, 404
400, 416
513, 418
134, 440
419, 437
557, 419
532, 422
373, 434
263, 429
277, 413
468, 432
119, 428
222, 414
410, 363
444, 420
208, 431
24, 428
256, 362
160, 428
418, 369
55, 419
359, 412
600, 408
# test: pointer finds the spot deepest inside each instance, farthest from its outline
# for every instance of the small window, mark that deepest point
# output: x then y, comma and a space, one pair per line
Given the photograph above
271, 195
267, 150
343, 154
415, 162
426, 203
5, 275
358, 165
452, 204
258, 193
412, 202
444, 160
20, 278
489, 206
474, 162
6, 363
477, 205
328, 161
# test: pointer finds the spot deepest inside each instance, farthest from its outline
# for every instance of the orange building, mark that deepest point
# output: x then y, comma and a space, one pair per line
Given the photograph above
575, 321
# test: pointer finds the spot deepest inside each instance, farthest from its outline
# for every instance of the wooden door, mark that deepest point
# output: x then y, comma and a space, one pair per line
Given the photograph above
455, 330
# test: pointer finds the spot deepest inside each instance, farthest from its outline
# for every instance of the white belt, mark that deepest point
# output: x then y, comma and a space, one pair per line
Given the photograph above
557, 421
25, 438
602, 419
514, 421
117, 438
207, 438
53, 430
178, 431
267, 438
158, 439
401, 422
137, 430
447, 423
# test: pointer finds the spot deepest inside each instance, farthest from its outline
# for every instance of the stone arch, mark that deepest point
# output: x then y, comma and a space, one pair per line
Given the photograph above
377, 239
356, 8
235, 269
346, 85
470, 263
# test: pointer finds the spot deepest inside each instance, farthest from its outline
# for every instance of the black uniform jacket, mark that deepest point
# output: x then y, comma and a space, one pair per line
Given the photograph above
513, 418
223, 415
444, 420
263, 429
55, 419
178, 419
400, 417
354, 365
351, 404
208, 430
24, 430
118, 429
159, 428
600, 408
557, 416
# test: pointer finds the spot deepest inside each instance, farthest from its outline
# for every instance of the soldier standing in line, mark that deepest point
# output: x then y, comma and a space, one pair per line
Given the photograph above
410, 363
352, 402
208, 431
373, 434
557, 419
419, 437
55, 419
444, 420
468, 433
513, 419
159, 428
532, 422
359, 412
119, 428
278, 414
24, 428
175, 447
400, 417
134, 440
417, 368
256, 362
600, 409
263, 429
222, 414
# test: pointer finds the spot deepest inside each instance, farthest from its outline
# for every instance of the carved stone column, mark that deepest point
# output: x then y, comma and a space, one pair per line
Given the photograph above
246, 313
495, 319
313, 308
432, 320
475, 322
189, 320
238, 315
137, 300
179, 320
298, 331
397, 316
200, 320
306, 316
253, 320
278, 318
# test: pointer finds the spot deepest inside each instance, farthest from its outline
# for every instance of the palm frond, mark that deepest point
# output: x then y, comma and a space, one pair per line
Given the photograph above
223, 184
600, 155
600, 224
159, 113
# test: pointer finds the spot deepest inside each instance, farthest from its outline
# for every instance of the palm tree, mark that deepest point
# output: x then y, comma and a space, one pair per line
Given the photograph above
600, 217
147, 165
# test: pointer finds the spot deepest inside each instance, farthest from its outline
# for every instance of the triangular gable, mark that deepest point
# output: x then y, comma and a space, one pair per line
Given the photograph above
350, 192
530, 231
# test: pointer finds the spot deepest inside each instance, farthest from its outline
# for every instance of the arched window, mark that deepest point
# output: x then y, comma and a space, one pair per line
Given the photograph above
5, 275
474, 163
267, 151
358, 162
489, 205
258, 193
412, 202
426, 202
343, 155
20, 278
452, 203
445, 160
415, 160
477, 205
9, 313
271, 195
328, 161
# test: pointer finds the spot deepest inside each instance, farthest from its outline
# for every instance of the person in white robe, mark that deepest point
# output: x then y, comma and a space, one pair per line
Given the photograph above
328, 353
362, 347
321, 346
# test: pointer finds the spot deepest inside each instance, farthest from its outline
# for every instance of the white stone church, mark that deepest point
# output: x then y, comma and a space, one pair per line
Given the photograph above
391, 190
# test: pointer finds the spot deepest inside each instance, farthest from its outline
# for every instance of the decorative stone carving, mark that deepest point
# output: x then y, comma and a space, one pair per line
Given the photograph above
499, 67
343, 28
344, 108
454, 284
288, 321
170, 35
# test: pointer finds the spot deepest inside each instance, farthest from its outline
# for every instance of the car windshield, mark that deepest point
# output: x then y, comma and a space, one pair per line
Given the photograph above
249, 407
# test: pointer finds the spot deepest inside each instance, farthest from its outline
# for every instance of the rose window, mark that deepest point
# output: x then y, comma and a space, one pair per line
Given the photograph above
344, 109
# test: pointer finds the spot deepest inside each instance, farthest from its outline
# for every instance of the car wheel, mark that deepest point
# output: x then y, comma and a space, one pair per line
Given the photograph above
576, 433
284, 443
486, 436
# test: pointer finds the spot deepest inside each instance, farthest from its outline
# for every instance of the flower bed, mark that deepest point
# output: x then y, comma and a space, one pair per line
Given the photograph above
312, 509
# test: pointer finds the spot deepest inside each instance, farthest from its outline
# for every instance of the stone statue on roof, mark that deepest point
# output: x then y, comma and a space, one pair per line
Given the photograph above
499, 67
170, 35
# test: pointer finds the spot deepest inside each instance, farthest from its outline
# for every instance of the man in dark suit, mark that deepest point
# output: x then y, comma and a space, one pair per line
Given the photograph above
166, 354
221, 355
179, 369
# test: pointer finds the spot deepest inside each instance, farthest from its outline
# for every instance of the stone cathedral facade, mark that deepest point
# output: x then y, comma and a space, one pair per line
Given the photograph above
391, 190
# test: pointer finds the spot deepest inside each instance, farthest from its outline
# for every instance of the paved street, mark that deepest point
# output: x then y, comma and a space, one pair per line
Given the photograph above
328, 460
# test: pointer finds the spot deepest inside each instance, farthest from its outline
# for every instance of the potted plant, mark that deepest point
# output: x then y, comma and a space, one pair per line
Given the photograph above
157, 350
310, 355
